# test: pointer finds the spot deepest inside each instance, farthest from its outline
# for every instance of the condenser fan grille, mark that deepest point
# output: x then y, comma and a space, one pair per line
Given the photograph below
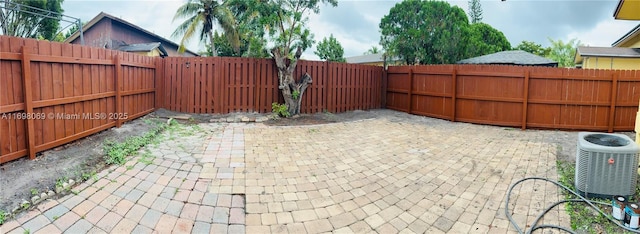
606, 140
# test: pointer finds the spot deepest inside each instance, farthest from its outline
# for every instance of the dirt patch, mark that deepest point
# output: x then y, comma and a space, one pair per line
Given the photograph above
20, 177
322, 118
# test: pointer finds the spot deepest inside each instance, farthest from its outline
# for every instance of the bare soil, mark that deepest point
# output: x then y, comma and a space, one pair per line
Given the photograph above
18, 178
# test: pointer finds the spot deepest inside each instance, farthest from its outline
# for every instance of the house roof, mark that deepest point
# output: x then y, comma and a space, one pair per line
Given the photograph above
627, 10
103, 15
608, 51
367, 58
611, 52
144, 47
515, 57
635, 31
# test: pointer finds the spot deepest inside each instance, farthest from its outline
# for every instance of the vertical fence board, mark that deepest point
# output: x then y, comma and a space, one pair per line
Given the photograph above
28, 101
556, 98
52, 92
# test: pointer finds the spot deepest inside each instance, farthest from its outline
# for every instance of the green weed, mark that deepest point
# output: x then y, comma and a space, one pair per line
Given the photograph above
88, 175
280, 110
583, 218
3, 216
295, 94
146, 158
61, 181
116, 153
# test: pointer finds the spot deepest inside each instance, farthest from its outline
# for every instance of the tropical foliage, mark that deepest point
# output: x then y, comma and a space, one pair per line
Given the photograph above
485, 39
284, 21
330, 49
201, 19
533, 48
26, 23
434, 32
373, 50
563, 52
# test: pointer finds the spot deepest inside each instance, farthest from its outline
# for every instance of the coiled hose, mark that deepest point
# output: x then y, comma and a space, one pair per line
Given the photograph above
534, 225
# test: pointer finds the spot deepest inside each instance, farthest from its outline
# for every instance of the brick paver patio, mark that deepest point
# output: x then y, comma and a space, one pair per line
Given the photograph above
384, 175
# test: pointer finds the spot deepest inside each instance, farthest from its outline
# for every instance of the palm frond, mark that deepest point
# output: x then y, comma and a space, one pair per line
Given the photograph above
187, 10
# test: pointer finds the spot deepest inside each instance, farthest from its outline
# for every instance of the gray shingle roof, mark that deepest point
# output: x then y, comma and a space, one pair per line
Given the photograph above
368, 58
514, 57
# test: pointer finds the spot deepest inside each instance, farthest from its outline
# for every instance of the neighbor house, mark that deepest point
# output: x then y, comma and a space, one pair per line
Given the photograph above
110, 32
608, 58
373, 59
624, 53
627, 10
513, 57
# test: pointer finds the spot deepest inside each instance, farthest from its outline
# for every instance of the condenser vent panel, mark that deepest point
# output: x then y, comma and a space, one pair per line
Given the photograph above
606, 165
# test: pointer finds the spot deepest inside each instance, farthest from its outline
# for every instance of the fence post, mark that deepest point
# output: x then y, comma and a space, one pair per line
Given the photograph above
28, 101
158, 83
117, 83
525, 99
410, 93
328, 86
614, 94
325, 90
383, 86
220, 86
454, 89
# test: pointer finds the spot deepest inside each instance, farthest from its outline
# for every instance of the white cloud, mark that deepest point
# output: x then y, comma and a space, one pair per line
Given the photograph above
355, 23
604, 33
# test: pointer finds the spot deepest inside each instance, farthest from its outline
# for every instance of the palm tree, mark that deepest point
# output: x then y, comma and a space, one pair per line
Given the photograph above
372, 50
201, 15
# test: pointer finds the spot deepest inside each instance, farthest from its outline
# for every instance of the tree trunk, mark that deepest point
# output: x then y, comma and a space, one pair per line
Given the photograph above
292, 91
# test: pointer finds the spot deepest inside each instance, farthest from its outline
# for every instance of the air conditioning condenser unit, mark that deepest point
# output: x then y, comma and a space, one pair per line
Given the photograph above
606, 165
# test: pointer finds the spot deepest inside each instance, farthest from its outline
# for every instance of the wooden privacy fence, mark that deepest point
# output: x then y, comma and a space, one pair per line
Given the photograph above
53, 93
223, 85
518, 96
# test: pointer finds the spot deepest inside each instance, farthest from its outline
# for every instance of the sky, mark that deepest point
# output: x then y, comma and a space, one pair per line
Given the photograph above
354, 23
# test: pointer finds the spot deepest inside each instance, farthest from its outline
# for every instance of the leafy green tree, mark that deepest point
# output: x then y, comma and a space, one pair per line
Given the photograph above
248, 24
533, 48
485, 39
425, 32
225, 49
562, 52
373, 50
202, 16
284, 21
330, 50
25, 23
475, 11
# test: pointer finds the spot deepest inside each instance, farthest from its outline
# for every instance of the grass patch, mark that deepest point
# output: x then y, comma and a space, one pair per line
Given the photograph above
583, 218
3, 216
116, 153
